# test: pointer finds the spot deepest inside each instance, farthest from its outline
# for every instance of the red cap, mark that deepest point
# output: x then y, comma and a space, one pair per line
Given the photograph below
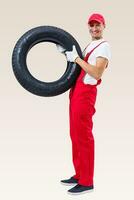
96, 17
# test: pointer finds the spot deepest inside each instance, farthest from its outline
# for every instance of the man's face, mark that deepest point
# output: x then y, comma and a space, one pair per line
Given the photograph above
96, 29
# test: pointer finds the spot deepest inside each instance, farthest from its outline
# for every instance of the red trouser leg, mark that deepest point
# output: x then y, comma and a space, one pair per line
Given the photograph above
74, 139
82, 109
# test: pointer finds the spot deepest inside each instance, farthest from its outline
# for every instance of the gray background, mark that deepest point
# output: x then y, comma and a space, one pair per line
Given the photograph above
35, 148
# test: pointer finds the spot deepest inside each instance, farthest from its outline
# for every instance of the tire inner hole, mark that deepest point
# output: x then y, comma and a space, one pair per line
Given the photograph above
45, 62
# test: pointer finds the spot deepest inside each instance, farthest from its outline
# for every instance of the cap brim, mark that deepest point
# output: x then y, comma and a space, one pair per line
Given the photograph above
95, 20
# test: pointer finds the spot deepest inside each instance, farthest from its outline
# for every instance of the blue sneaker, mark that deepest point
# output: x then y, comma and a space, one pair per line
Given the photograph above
70, 181
79, 189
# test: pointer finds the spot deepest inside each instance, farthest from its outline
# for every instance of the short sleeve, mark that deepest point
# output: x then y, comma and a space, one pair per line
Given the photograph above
103, 51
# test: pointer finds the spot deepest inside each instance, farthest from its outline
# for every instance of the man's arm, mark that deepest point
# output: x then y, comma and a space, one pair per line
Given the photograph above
95, 71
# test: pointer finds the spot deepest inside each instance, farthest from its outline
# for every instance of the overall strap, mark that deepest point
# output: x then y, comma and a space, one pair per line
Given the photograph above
88, 54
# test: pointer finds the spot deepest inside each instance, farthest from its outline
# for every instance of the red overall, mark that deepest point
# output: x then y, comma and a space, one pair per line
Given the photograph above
81, 109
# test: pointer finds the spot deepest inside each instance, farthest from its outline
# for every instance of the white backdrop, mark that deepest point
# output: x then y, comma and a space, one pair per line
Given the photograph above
35, 148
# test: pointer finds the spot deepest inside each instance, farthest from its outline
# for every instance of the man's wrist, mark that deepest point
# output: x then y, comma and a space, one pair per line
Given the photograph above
76, 59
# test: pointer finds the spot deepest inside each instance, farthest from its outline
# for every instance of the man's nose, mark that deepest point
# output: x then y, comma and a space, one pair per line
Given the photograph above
94, 28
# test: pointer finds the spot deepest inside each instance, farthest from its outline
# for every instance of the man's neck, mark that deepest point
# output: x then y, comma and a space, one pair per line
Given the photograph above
93, 39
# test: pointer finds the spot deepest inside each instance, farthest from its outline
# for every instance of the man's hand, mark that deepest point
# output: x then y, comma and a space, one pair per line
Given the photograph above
71, 55
60, 48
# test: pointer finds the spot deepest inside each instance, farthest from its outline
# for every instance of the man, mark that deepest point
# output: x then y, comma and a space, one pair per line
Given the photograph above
82, 104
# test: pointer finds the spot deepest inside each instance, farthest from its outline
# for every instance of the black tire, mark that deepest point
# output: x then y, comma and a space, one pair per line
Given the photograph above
21, 49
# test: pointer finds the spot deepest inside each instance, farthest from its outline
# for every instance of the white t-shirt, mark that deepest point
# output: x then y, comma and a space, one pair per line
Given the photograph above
102, 50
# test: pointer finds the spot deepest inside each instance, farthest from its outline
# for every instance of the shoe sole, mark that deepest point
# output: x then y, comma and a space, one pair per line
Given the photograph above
78, 193
68, 184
